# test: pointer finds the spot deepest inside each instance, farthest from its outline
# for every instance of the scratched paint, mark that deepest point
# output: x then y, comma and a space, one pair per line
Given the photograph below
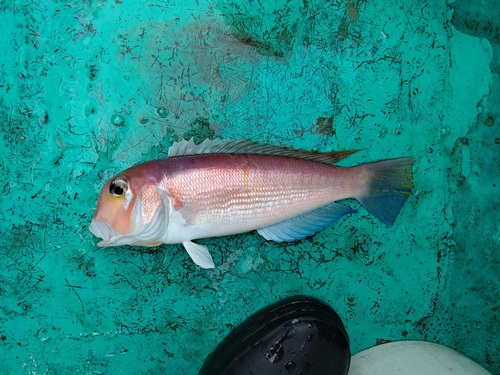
89, 89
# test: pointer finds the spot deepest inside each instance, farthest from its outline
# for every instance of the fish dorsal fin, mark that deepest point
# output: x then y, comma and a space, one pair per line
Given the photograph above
218, 146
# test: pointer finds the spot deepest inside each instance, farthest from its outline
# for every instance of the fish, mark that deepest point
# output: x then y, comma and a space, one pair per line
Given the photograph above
227, 187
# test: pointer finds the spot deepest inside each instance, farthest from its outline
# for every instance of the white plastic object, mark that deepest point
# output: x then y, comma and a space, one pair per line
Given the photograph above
412, 358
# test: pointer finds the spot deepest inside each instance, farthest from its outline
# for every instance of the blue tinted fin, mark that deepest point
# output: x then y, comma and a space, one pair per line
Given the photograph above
305, 225
390, 183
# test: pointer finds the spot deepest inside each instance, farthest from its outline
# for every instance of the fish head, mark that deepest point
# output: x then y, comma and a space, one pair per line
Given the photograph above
129, 210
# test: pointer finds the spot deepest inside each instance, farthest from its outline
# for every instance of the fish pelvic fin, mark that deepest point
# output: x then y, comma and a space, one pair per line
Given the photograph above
389, 185
199, 254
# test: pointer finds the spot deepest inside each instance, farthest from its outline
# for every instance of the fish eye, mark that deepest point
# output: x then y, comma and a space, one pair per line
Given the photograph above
118, 187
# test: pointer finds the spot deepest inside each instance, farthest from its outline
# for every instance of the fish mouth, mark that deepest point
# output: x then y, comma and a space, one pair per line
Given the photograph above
149, 234
111, 238
102, 230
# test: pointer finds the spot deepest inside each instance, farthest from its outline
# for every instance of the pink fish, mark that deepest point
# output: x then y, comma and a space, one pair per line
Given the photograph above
219, 188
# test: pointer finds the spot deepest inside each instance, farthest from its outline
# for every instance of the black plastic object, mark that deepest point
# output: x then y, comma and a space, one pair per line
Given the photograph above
298, 335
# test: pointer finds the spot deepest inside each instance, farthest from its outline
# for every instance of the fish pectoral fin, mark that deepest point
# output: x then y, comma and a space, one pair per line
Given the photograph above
199, 254
305, 225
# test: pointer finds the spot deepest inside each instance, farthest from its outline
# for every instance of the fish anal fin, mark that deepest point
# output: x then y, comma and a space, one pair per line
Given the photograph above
305, 225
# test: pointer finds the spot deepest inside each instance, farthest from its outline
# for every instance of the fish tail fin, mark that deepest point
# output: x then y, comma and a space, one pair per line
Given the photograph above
388, 186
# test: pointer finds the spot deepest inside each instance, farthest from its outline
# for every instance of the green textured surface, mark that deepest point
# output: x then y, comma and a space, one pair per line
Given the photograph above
89, 88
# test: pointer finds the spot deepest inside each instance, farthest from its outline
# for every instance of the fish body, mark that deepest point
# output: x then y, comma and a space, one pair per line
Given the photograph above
221, 188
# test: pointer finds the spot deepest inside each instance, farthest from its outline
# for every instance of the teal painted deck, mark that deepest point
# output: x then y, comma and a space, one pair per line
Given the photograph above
89, 88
